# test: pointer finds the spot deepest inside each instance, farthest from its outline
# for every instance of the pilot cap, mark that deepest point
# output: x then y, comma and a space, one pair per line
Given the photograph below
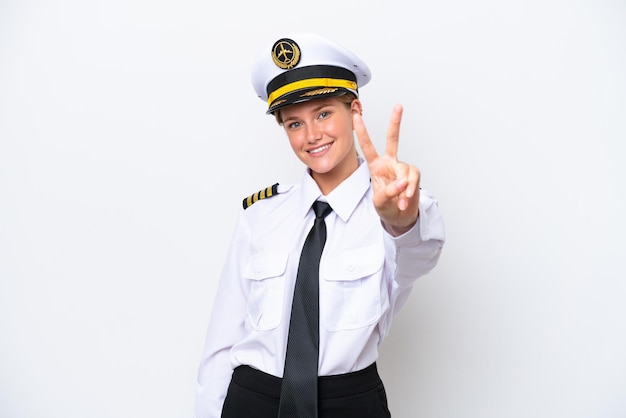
303, 67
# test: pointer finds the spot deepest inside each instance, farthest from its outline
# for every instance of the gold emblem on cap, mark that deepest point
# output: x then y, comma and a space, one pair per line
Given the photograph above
286, 53
318, 92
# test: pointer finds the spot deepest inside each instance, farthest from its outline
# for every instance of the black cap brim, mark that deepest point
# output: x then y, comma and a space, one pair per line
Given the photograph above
304, 95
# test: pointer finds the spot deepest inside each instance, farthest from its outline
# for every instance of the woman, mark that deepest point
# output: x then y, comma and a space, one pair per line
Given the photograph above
380, 233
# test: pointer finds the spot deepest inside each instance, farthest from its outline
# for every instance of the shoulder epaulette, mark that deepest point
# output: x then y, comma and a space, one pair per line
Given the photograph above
261, 194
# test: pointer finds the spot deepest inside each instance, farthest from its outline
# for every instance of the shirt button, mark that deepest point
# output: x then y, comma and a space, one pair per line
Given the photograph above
350, 267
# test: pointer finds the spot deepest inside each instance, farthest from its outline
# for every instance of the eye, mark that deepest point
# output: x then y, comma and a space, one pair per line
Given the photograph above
324, 114
293, 125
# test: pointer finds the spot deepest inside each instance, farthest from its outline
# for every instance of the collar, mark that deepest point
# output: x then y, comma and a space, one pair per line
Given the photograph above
344, 199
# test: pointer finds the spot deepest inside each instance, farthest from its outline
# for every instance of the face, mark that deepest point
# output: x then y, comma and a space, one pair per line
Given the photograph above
320, 134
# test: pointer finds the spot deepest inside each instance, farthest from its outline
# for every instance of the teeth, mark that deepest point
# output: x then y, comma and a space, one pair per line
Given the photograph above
320, 149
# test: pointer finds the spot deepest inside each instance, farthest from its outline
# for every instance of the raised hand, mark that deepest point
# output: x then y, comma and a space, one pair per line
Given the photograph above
395, 184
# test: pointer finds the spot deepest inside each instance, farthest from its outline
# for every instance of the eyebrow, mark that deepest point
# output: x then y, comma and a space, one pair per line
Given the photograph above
313, 110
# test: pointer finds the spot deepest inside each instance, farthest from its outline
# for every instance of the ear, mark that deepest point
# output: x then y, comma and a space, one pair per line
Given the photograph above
356, 106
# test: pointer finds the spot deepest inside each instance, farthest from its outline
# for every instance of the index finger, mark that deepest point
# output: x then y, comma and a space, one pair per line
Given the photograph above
393, 132
369, 152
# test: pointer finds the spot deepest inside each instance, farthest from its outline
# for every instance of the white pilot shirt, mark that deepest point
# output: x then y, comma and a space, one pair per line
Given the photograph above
365, 277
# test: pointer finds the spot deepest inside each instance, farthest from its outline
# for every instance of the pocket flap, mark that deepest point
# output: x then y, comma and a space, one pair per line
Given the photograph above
265, 265
353, 264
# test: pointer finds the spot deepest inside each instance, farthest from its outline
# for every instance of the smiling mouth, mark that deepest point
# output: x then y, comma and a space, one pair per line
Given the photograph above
320, 149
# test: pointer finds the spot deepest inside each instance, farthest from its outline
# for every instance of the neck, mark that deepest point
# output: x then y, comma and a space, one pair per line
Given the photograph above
327, 182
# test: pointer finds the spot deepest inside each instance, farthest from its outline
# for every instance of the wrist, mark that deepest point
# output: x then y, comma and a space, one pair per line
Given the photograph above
397, 230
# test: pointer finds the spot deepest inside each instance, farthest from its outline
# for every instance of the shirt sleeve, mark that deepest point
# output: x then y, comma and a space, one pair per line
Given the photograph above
226, 327
413, 254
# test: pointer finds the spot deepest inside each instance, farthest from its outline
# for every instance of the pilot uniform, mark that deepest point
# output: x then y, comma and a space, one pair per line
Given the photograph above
365, 277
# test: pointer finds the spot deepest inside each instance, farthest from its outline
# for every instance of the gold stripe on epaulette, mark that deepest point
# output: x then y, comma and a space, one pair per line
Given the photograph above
261, 194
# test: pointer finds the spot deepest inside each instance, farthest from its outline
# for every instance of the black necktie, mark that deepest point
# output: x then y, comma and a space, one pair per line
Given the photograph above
298, 397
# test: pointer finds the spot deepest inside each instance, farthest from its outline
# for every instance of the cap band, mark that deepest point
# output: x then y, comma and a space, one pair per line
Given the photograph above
311, 82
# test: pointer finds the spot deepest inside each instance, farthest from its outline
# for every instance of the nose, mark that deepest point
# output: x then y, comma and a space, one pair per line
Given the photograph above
313, 133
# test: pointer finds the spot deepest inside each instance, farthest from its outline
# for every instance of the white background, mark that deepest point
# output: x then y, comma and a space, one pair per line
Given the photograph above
129, 133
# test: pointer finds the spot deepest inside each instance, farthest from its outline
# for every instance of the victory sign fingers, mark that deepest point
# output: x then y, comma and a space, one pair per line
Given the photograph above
395, 184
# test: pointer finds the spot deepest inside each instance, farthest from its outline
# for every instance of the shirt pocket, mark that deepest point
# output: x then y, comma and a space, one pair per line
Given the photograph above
266, 272
350, 289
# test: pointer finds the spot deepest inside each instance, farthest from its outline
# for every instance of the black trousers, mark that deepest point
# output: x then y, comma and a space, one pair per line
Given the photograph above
254, 394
